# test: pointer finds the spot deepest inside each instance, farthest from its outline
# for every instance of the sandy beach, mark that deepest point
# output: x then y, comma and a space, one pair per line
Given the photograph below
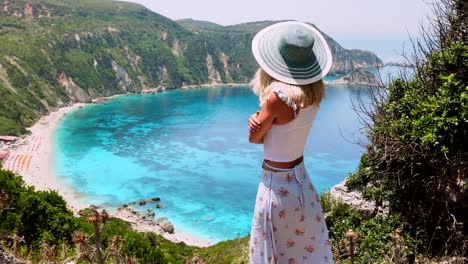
32, 158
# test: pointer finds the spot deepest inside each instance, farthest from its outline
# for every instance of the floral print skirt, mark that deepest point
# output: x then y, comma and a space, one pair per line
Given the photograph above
288, 225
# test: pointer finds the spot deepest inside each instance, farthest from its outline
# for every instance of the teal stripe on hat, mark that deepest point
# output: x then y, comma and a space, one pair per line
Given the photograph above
292, 52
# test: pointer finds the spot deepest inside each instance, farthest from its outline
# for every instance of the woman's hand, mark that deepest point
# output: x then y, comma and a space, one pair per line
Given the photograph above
254, 123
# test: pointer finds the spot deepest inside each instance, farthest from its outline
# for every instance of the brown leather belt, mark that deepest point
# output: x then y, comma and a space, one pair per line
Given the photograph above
282, 165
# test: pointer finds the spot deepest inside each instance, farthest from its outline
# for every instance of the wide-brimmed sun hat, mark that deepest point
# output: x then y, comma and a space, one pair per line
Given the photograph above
292, 52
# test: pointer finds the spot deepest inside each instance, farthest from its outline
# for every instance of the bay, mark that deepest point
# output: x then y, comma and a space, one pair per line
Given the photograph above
190, 148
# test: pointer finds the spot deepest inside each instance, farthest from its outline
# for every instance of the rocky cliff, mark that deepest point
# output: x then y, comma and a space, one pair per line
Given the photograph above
359, 77
238, 38
53, 53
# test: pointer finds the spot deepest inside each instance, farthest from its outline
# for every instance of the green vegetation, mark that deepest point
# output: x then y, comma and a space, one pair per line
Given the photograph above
417, 155
42, 220
9, 127
116, 239
379, 239
35, 215
232, 251
73, 51
39, 221
45, 224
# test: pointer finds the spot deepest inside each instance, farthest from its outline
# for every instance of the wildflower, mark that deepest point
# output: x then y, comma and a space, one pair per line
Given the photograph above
93, 217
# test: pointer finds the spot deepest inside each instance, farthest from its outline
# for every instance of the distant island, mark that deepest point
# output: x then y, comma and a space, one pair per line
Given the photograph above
359, 77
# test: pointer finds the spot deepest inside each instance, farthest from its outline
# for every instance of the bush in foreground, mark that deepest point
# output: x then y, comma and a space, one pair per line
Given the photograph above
417, 156
40, 227
36, 215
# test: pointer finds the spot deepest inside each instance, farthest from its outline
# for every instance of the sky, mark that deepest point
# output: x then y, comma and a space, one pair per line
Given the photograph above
383, 26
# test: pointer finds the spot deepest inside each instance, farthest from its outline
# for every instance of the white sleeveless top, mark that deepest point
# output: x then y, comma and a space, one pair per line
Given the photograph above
286, 142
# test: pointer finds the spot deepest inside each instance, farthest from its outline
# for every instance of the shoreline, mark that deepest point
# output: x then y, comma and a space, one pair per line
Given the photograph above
32, 157
189, 87
185, 87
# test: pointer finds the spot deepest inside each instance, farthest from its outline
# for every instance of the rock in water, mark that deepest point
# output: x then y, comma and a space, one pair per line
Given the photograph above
151, 213
167, 227
161, 219
156, 199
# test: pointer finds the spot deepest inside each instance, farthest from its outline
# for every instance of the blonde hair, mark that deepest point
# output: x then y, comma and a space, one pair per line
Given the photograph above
305, 95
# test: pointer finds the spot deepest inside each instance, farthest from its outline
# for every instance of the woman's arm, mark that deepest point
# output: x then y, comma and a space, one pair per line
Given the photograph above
266, 117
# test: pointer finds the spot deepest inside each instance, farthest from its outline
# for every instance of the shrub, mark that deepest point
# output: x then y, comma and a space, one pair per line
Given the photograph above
144, 247
34, 215
373, 241
417, 153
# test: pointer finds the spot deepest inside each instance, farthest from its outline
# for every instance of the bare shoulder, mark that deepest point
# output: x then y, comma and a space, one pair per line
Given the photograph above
275, 100
283, 112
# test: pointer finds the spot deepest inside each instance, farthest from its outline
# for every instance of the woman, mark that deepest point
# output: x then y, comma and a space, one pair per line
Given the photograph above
288, 224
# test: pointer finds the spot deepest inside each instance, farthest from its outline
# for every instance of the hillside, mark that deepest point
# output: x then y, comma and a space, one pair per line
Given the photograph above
56, 52
359, 77
344, 61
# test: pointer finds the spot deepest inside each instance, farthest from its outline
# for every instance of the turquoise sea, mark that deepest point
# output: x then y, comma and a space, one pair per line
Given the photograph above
190, 148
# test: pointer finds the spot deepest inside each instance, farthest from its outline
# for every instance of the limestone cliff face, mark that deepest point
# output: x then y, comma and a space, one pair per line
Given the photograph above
165, 78
213, 75
76, 93
125, 82
24, 9
224, 59
133, 58
54, 53
345, 61
176, 48
238, 39
4, 80
28, 11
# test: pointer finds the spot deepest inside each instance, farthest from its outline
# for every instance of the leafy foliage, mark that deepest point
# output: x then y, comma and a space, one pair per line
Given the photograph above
34, 215
231, 251
42, 216
9, 127
417, 153
46, 222
374, 244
